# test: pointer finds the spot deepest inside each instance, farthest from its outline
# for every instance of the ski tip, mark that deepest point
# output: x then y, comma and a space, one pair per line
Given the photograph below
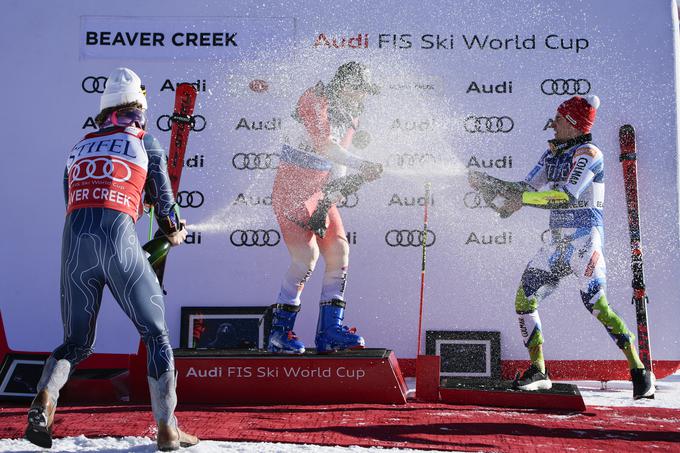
187, 87
627, 138
627, 128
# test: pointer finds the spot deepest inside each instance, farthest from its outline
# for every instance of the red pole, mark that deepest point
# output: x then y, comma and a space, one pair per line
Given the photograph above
422, 269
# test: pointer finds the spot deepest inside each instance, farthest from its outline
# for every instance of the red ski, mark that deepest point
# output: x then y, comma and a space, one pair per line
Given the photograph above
182, 123
628, 159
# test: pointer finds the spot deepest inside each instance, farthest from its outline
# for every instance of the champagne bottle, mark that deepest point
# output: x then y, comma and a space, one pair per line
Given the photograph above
157, 250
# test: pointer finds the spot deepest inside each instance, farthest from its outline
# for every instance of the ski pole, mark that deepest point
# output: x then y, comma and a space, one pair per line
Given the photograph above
151, 213
422, 268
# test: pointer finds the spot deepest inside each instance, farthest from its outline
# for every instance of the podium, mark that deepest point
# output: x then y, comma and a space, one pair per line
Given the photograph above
564, 397
250, 377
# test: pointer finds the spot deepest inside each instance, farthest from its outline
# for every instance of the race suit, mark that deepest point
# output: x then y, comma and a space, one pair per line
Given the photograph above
574, 179
307, 164
106, 173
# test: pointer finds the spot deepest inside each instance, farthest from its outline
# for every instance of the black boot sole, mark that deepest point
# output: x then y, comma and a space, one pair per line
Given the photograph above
42, 437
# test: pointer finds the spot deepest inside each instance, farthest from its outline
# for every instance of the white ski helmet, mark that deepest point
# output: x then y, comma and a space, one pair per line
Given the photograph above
123, 86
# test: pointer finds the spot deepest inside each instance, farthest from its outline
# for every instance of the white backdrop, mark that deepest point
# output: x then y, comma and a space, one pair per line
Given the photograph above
426, 56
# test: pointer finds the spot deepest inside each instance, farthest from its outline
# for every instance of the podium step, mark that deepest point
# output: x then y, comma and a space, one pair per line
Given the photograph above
258, 377
501, 394
96, 386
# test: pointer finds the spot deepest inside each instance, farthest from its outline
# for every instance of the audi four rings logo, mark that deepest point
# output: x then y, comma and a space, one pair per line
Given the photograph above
474, 200
255, 238
409, 238
255, 161
164, 124
92, 84
350, 201
407, 160
492, 124
92, 169
186, 199
565, 86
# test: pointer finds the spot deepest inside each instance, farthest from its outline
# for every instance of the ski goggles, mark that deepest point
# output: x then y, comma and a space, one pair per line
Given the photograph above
129, 117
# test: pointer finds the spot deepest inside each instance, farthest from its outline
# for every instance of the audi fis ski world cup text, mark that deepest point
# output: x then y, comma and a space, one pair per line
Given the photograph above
440, 41
274, 372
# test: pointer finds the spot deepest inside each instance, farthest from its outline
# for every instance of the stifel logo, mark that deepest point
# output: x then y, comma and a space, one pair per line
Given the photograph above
360, 41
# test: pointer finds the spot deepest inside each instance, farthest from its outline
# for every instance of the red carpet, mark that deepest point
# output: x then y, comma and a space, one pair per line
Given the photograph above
415, 425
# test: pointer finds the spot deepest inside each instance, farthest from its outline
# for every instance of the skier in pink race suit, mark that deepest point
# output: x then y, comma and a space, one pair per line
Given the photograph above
309, 181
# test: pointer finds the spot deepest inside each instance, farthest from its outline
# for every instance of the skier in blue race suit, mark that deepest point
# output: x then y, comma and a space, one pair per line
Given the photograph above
569, 181
106, 173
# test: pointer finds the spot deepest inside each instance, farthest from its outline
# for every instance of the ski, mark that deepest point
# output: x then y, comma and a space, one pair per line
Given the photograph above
628, 159
182, 122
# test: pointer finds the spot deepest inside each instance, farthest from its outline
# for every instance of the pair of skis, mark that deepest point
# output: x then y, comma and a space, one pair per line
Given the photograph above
182, 122
628, 159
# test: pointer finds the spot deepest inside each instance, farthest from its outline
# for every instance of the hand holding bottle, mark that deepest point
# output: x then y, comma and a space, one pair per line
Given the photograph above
180, 235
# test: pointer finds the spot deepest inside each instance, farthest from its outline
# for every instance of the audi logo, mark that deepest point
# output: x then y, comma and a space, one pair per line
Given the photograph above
406, 160
92, 84
350, 201
255, 238
186, 199
492, 124
92, 169
164, 124
409, 238
474, 200
565, 86
255, 161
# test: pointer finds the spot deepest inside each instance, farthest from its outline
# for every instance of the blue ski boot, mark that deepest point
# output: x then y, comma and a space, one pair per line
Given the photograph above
282, 339
331, 335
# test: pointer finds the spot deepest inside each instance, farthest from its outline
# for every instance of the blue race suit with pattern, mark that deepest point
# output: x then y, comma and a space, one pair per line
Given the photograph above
105, 175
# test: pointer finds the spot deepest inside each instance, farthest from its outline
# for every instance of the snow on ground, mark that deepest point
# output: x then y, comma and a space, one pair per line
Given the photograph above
620, 393
146, 445
617, 393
